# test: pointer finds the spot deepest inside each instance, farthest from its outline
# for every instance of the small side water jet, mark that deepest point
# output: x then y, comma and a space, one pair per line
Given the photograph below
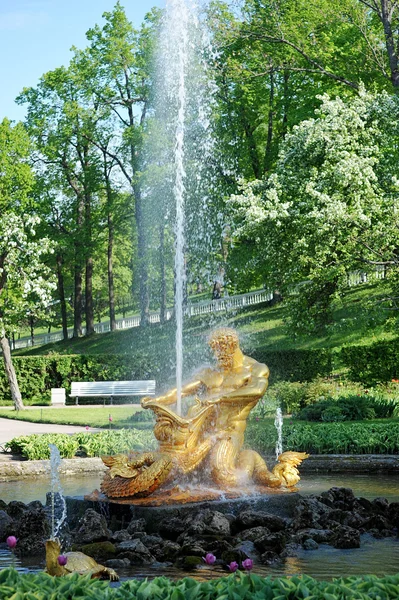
57, 495
278, 423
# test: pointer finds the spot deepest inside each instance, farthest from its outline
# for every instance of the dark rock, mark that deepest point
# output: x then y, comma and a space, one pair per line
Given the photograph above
6, 523
172, 528
310, 544
34, 505
393, 513
380, 506
117, 563
249, 550
343, 498
236, 555
3, 505
308, 513
291, 549
270, 558
154, 543
139, 535
136, 525
92, 528
170, 550
377, 522
32, 530
272, 541
16, 509
251, 518
193, 549
100, 551
321, 536
346, 537
253, 534
121, 536
363, 505
135, 551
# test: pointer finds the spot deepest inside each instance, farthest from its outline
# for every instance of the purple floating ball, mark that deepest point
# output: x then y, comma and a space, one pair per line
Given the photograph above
62, 560
11, 541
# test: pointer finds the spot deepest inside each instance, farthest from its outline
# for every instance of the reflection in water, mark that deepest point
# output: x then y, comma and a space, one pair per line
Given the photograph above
368, 486
380, 557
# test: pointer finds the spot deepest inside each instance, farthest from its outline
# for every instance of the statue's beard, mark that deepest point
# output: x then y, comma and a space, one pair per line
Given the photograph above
226, 363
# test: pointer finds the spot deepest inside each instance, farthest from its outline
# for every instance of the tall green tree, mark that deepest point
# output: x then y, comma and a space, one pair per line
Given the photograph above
25, 281
330, 207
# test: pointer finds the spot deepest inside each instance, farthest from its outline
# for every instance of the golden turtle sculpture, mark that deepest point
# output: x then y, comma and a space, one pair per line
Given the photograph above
77, 562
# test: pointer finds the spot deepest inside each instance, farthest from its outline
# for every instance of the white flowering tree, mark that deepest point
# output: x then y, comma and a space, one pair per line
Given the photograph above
25, 281
331, 206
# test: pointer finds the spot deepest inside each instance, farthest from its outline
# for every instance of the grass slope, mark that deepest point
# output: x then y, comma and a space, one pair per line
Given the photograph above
358, 319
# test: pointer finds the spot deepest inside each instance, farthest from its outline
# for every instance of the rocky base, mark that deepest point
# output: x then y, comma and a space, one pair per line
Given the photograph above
266, 530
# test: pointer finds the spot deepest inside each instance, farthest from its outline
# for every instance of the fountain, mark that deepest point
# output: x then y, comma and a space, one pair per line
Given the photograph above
207, 442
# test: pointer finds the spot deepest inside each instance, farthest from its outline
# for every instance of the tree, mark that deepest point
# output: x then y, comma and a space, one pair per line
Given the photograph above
25, 285
330, 207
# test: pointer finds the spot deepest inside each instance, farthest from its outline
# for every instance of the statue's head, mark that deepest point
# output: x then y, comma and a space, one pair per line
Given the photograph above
224, 343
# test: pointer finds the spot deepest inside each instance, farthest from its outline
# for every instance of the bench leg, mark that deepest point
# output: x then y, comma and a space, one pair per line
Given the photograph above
77, 400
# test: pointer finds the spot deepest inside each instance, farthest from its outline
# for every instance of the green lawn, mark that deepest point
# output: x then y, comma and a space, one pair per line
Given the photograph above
94, 416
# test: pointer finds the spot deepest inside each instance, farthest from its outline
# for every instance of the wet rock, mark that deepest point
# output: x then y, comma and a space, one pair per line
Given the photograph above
272, 541
343, 498
100, 551
363, 505
193, 549
378, 522
310, 544
92, 528
251, 518
208, 522
393, 513
270, 558
321, 536
136, 525
5, 525
172, 528
346, 537
32, 530
121, 536
16, 509
170, 550
308, 513
253, 534
138, 535
380, 506
135, 551
34, 505
236, 555
248, 549
291, 549
117, 563
154, 543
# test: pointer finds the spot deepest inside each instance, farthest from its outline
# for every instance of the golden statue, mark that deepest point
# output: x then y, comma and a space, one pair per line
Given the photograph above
210, 437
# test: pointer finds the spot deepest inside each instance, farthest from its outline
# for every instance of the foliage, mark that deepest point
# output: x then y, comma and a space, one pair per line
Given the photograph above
349, 408
329, 208
372, 364
366, 437
36, 447
40, 586
295, 365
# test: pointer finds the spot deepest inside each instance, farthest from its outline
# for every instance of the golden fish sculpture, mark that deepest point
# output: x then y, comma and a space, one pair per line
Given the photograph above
210, 437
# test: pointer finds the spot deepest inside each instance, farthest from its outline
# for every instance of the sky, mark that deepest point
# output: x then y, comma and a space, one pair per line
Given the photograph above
36, 36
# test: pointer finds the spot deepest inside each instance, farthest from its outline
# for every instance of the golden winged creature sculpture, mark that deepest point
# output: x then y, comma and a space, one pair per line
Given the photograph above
210, 437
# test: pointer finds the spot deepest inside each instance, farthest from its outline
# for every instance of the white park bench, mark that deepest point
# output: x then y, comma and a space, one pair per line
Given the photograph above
109, 389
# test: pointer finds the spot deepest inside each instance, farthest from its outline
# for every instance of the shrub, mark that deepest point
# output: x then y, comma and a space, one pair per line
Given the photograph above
373, 364
296, 365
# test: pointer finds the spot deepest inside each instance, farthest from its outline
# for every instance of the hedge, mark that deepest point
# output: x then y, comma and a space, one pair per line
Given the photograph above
40, 586
38, 374
295, 365
373, 364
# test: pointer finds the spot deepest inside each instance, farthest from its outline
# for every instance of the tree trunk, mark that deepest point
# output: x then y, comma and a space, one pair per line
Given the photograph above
391, 46
142, 258
61, 293
111, 290
78, 278
89, 307
10, 373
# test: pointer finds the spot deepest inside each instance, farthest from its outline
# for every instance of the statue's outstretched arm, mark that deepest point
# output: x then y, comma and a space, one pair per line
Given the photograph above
171, 396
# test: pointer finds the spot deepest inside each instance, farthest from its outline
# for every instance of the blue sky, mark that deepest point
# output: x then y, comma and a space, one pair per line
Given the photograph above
36, 36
